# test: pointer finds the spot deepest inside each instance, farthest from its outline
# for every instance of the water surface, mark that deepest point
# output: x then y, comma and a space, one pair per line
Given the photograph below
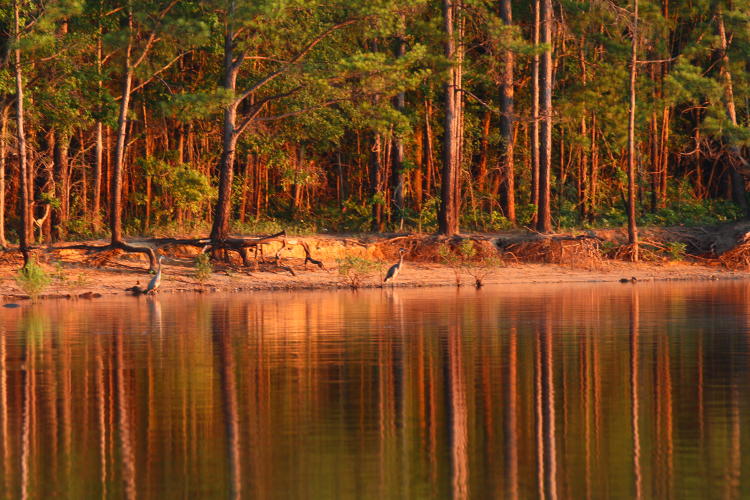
566, 391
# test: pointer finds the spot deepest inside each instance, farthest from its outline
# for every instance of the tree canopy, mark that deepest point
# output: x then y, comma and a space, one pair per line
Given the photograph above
236, 115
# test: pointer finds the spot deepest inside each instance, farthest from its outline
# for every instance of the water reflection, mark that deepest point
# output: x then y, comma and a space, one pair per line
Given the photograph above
521, 392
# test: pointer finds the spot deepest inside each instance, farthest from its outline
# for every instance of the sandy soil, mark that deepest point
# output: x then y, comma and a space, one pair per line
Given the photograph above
72, 276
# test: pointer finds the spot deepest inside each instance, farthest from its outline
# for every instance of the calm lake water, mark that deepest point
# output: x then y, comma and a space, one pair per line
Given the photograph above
565, 391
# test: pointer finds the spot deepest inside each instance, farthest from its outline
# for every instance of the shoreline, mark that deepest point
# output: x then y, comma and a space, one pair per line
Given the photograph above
76, 273
76, 281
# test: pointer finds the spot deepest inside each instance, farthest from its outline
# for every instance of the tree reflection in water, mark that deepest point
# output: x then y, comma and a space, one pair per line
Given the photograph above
586, 391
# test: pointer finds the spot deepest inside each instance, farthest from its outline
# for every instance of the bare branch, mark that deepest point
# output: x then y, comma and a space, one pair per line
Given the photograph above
152, 36
297, 58
259, 107
161, 70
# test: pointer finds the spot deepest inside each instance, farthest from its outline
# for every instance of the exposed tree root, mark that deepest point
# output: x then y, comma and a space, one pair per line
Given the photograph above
580, 251
739, 256
117, 245
152, 247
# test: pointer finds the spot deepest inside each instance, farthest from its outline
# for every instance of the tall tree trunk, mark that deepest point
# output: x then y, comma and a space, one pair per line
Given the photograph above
3, 156
594, 183
245, 187
23, 184
544, 218
147, 153
583, 167
447, 217
376, 182
397, 150
459, 103
96, 216
484, 152
222, 214
655, 162
62, 181
428, 150
419, 160
632, 229
115, 196
506, 121
738, 183
535, 116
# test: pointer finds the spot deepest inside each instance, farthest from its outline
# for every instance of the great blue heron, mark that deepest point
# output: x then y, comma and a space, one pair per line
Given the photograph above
395, 268
153, 285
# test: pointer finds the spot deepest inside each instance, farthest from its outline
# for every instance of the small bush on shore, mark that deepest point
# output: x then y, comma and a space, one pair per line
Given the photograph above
203, 267
355, 270
33, 279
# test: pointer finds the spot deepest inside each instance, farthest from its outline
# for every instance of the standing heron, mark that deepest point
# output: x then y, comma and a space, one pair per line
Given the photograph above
153, 285
395, 268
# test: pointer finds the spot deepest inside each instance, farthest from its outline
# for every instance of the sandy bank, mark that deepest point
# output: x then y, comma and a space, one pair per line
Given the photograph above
76, 278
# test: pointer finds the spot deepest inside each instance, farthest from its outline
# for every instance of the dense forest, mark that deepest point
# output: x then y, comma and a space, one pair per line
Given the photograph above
188, 116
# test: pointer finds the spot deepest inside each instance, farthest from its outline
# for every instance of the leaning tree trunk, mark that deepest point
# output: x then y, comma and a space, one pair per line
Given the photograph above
447, 217
544, 218
23, 185
506, 121
115, 215
632, 228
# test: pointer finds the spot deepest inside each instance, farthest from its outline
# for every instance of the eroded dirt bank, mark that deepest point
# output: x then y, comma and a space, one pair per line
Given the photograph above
75, 273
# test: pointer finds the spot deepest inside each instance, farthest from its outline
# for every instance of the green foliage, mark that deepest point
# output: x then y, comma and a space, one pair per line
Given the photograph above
693, 213
355, 270
178, 187
203, 267
33, 279
316, 80
479, 220
267, 225
676, 250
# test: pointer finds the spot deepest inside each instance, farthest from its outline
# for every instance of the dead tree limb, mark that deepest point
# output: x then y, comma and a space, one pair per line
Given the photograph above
117, 245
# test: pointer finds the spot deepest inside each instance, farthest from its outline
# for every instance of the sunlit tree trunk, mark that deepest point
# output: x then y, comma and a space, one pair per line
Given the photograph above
96, 216
535, 116
484, 151
376, 182
544, 219
23, 186
222, 214
506, 121
397, 150
3, 156
448, 215
738, 183
115, 215
632, 229
62, 181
